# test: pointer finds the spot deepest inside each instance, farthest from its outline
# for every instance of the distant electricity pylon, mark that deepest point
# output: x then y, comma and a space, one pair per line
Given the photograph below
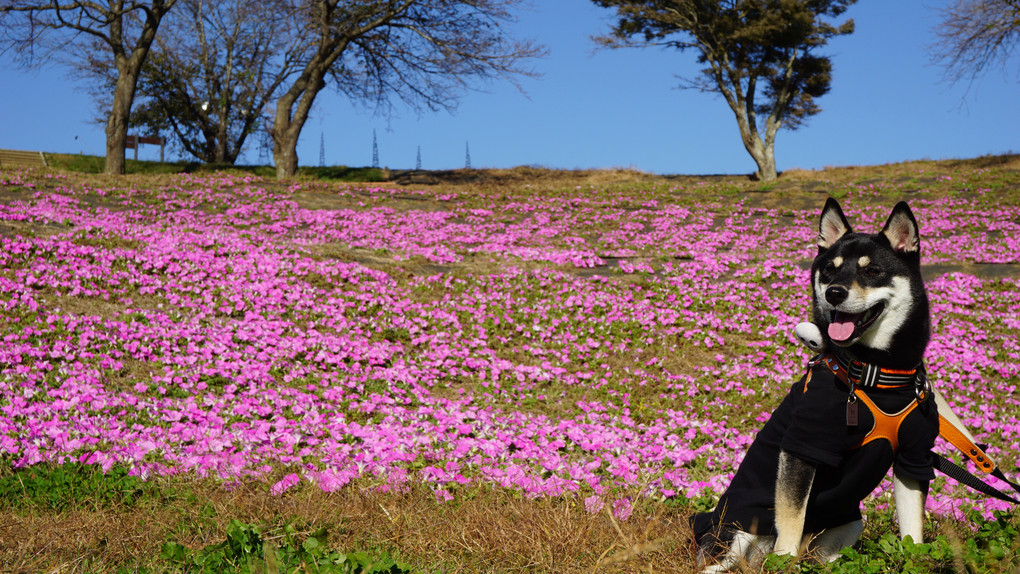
264, 145
322, 150
417, 163
375, 150
467, 156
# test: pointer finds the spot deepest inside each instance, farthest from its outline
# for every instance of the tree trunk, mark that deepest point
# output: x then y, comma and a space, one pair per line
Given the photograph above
766, 161
285, 138
129, 63
762, 152
222, 156
742, 106
766, 167
117, 123
285, 156
292, 111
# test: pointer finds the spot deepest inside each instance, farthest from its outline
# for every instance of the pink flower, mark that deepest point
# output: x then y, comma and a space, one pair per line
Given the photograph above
284, 485
622, 509
594, 504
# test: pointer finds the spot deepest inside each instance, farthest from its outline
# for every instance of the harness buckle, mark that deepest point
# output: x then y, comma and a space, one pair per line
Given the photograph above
922, 386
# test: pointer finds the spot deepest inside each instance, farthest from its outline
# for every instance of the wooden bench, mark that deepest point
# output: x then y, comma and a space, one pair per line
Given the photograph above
12, 158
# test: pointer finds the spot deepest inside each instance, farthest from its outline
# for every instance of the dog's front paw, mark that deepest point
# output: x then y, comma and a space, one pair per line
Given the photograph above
787, 547
810, 335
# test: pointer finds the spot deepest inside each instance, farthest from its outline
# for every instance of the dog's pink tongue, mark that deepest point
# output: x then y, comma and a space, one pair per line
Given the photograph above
842, 326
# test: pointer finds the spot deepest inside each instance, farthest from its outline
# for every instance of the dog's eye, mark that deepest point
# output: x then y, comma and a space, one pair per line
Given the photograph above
871, 271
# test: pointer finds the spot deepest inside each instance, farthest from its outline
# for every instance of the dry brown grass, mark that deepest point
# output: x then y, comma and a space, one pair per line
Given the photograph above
545, 179
485, 531
795, 186
501, 532
534, 178
894, 170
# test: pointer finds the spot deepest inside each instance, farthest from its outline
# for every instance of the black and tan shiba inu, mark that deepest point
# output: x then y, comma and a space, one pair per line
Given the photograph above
863, 406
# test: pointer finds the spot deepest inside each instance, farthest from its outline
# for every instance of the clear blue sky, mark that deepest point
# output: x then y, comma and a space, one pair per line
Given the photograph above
618, 108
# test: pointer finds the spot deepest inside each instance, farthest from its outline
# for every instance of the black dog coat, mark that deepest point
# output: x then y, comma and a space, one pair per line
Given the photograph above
811, 424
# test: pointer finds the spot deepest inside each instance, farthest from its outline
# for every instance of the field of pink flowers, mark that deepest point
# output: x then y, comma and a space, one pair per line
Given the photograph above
598, 344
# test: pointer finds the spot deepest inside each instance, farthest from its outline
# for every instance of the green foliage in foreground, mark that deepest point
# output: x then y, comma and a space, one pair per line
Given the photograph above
994, 546
976, 545
61, 487
246, 551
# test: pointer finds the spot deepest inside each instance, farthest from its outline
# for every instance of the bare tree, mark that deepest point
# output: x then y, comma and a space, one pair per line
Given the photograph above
759, 55
126, 28
421, 52
975, 35
213, 71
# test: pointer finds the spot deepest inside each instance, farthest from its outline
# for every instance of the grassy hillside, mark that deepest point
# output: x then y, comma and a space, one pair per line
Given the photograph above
95, 165
521, 370
918, 173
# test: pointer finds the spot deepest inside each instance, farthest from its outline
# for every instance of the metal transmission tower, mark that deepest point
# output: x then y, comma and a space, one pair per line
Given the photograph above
322, 150
417, 163
265, 143
375, 150
467, 156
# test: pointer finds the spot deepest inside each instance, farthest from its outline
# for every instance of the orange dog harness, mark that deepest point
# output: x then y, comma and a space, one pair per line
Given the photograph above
856, 374
887, 425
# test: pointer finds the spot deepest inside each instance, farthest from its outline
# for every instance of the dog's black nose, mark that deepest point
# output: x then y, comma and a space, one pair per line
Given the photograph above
836, 294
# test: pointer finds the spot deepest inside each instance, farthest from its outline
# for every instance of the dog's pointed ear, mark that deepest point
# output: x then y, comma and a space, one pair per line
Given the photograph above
901, 230
832, 225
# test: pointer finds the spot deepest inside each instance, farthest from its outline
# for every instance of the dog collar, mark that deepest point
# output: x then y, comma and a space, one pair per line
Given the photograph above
866, 375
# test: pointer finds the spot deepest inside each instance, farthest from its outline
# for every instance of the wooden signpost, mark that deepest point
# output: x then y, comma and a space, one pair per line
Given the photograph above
132, 142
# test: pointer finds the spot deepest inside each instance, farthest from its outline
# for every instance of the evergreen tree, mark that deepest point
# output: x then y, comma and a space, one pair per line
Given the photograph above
759, 55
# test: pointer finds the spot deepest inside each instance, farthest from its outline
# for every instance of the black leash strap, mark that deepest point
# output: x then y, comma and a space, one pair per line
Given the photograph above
961, 475
999, 475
